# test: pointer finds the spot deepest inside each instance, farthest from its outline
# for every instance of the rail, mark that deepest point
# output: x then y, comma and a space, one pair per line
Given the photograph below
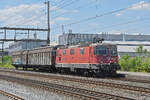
10, 95
94, 82
72, 91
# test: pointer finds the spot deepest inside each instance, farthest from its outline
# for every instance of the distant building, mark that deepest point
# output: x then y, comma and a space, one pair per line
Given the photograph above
129, 47
23, 45
126, 43
4, 53
74, 38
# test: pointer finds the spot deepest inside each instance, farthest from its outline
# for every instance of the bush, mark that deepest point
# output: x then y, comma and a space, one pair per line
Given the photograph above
6, 62
135, 64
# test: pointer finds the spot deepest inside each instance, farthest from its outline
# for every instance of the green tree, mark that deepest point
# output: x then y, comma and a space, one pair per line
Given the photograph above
136, 64
124, 62
141, 51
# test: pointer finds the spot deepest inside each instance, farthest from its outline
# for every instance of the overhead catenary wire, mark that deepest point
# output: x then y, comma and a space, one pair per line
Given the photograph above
118, 24
145, 26
79, 7
101, 15
66, 5
61, 2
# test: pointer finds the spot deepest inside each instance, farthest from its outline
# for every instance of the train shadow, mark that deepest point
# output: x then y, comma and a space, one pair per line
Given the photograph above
103, 76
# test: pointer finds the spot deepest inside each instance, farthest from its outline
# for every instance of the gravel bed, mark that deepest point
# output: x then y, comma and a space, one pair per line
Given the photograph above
145, 85
30, 93
136, 75
2, 97
118, 92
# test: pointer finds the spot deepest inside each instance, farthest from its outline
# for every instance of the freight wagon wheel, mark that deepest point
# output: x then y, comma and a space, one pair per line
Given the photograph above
79, 72
24, 68
34, 69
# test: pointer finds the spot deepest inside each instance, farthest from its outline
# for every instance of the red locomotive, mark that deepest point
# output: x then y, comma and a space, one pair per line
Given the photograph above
87, 59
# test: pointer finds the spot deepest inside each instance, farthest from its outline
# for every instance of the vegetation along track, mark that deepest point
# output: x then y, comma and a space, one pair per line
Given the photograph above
76, 92
14, 97
93, 82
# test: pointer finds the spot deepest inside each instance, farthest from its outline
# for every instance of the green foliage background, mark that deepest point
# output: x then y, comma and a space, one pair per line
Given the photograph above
139, 63
6, 62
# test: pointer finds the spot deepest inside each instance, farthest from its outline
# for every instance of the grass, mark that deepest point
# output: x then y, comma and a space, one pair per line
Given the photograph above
6, 62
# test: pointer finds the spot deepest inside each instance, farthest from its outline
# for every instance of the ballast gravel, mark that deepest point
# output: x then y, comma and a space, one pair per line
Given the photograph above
3, 97
29, 93
109, 90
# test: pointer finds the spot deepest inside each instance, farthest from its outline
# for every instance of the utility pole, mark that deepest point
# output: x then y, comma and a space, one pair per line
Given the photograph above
15, 35
48, 22
28, 39
63, 32
4, 33
2, 52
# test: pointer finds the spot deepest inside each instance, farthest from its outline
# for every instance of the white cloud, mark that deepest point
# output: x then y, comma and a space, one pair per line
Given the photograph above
119, 14
75, 11
53, 8
115, 32
141, 5
24, 15
62, 19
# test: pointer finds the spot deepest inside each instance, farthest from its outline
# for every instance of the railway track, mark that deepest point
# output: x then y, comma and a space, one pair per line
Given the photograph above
76, 92
9, 95
92, 82
117, 78
131, 80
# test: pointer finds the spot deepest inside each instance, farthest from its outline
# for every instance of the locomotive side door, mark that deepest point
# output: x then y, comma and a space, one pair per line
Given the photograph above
90, 55
59, 57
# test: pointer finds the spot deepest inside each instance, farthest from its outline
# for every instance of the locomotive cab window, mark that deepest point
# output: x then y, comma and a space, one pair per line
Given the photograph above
72, 52
100, 50
81, 51
113, 50
64, 52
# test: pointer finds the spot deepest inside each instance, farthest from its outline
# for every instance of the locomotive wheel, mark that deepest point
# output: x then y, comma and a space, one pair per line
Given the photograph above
113, 73
86, 74
79, 72
16, 68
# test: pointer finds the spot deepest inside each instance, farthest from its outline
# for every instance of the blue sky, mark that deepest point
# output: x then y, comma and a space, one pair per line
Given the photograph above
32, 13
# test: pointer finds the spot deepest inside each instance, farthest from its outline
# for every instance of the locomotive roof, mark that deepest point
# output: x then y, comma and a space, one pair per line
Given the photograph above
66, 46
102, 44
85, 45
